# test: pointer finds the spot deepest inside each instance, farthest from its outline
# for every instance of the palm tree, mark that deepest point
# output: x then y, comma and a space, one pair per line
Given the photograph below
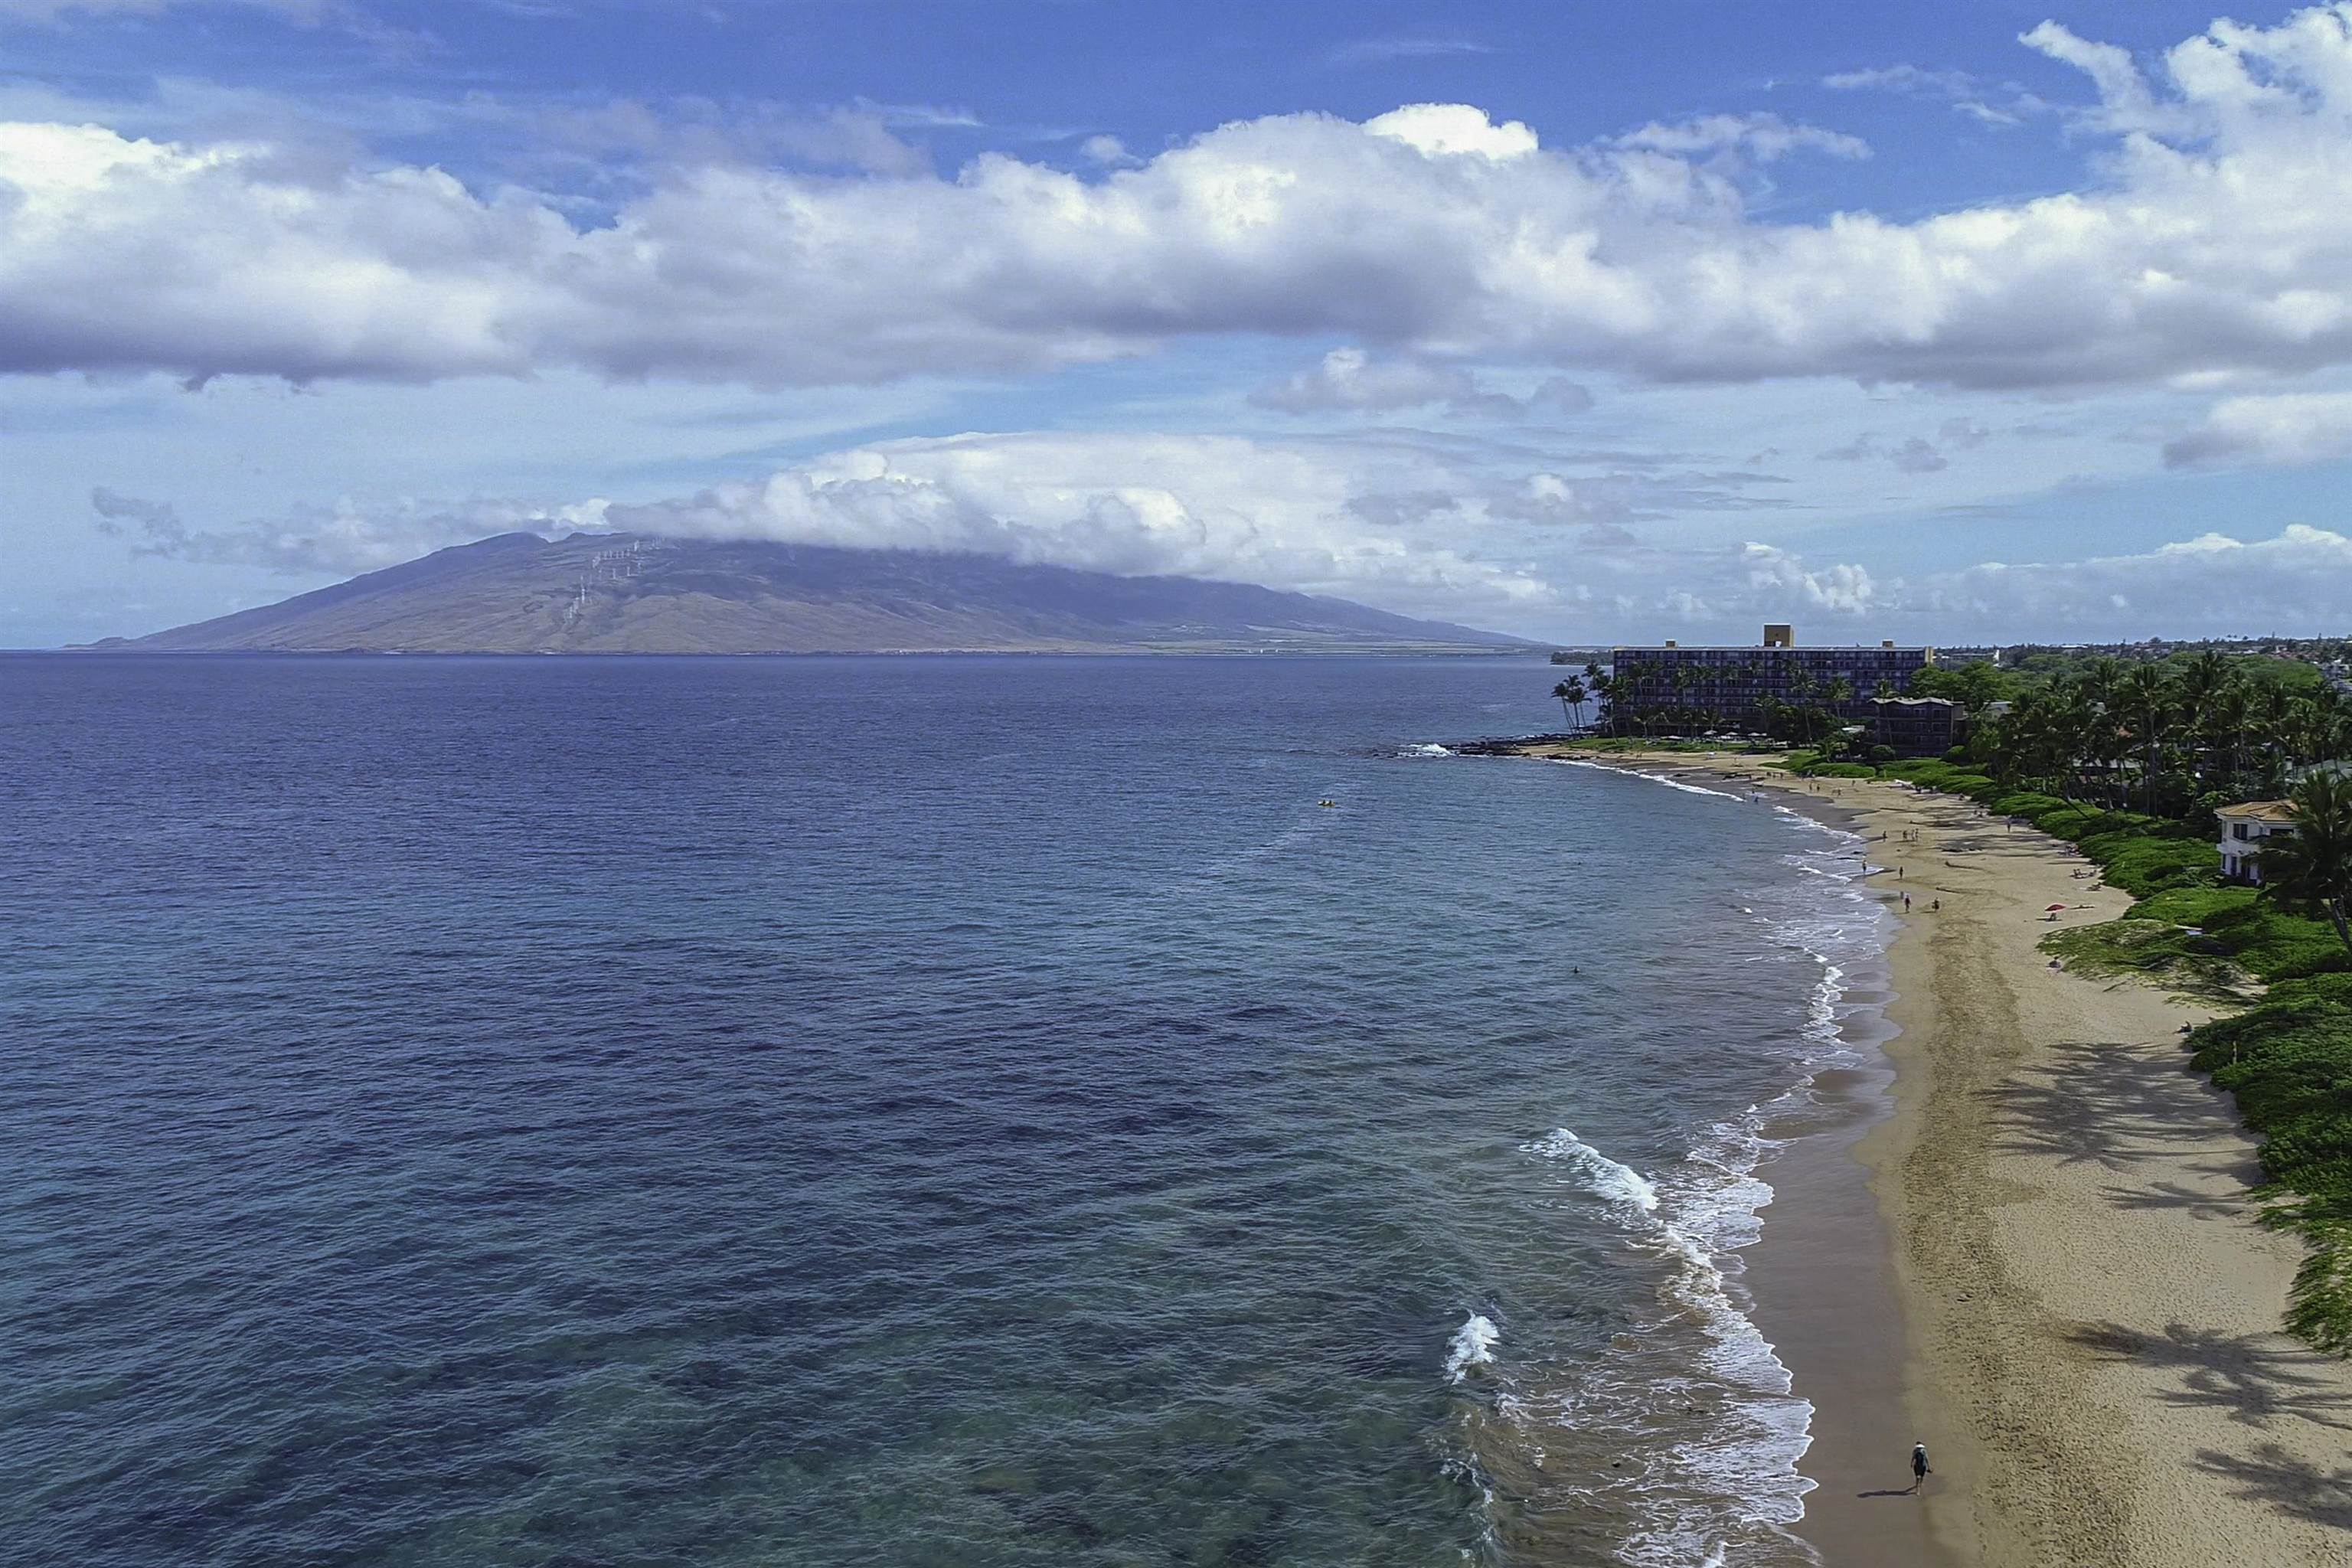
2202, 675
1571, 694
2228, 717
2145, 693
1836, 697
2199, 684
1686, 679
2099, 689
1648, 691
2311, 870
2266, 714
2331, 723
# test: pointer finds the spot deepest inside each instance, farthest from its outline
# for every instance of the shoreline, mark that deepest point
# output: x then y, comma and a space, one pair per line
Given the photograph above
2027, 1240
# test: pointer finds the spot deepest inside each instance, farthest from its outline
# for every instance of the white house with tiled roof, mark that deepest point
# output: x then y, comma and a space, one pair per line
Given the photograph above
2244, 827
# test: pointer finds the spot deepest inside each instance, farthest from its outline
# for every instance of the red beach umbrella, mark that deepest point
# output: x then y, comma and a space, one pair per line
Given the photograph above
2054, 907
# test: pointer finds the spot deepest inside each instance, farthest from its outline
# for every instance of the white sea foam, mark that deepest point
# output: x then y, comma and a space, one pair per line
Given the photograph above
1705, 1210
1473, 1345
1600, 1174
1804, 820
1722, 1481
1426, 751
1665, 779
1688, 788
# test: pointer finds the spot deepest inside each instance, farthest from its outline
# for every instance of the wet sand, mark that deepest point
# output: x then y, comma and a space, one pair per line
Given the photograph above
1826, 1299
2073, 1304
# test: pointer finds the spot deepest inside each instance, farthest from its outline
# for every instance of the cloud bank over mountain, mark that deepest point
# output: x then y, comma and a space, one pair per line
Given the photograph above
1380, 519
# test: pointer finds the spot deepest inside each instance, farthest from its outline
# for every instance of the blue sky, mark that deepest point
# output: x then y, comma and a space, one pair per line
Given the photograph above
1584, 321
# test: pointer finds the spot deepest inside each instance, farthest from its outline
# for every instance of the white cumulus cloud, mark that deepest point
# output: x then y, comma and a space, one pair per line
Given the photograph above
1349, 380
337, 540
1762, 137
2297, 582
2289, 427
1448, 130
1284, 514
2212, 244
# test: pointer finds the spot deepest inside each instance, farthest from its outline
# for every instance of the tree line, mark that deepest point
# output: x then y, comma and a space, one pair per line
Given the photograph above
2171, 740
2178, 739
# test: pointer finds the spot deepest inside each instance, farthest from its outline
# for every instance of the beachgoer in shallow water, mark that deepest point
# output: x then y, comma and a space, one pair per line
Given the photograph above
1918, 1465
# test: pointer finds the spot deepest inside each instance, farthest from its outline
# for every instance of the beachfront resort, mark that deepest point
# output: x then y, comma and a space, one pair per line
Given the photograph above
1779, 685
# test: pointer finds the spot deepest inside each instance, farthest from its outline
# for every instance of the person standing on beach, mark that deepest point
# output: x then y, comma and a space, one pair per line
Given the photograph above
1919, 1471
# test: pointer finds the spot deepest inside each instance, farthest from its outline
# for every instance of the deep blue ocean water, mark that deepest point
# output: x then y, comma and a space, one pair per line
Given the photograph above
980, 1112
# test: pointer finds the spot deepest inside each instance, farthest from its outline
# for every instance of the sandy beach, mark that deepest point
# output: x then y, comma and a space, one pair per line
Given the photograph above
2045, 1264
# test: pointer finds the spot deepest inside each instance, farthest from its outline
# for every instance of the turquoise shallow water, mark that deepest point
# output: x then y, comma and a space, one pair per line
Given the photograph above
943, 1112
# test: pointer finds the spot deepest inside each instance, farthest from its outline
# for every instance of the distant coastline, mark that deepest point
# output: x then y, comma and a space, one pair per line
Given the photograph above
123, 647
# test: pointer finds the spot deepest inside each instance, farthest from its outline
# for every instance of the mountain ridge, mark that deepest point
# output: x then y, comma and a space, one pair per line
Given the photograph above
622, 594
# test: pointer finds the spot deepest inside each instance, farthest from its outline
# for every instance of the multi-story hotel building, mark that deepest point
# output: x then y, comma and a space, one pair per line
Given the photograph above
1731, 685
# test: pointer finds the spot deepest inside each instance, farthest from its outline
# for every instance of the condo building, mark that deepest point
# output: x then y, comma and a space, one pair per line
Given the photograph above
1732, 686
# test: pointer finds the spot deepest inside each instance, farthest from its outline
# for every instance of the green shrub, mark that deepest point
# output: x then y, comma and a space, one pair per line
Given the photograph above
2028, 804
2156, 951
2200, 907
2272, 943
1945, 777
2299, 958
2289, 1062
2140, 864
2335, 987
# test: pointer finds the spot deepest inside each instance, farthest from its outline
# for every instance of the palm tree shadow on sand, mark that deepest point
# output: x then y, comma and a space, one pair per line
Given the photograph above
2271, 1475
2257, 1379
2099, 1104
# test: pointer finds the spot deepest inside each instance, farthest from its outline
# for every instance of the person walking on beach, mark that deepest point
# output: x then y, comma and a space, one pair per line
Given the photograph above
1919, 1471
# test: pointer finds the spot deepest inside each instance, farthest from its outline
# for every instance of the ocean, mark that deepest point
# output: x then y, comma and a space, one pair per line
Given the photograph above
984, 1112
